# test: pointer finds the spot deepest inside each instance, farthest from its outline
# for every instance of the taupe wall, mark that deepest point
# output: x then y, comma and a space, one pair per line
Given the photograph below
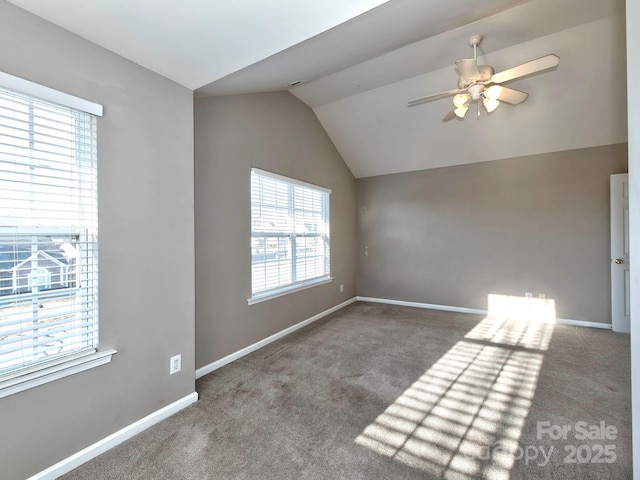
145, 142
451, 236
278, 133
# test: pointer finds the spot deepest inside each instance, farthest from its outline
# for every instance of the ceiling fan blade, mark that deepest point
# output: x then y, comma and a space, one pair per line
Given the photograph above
468, 69
512, 96
450, 116
534, 66
430, 98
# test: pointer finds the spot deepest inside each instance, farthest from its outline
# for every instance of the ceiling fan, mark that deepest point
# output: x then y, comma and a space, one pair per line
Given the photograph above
479, 83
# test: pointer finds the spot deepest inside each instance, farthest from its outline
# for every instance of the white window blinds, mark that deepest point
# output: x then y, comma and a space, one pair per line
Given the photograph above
289, 233
48, 233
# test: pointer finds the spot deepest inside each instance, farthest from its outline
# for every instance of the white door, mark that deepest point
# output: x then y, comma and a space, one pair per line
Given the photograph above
620, 280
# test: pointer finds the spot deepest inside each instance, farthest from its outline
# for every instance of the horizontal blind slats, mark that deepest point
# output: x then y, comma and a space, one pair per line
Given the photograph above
45, 331
289, 234
48, 220
72, 315
27, 341
48, 349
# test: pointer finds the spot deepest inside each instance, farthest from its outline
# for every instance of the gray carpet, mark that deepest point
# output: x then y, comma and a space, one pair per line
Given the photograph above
385, 392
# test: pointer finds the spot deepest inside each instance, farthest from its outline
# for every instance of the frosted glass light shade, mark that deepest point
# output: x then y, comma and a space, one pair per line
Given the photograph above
460, 99
493, 92
461, 111
491, 105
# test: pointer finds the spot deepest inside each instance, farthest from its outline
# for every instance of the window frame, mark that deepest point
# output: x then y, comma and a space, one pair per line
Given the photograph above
41, 372
294, 286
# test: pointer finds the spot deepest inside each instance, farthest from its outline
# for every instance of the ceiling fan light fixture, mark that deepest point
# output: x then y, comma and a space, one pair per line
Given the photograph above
460, 99
461, 111
493, 92
490, 104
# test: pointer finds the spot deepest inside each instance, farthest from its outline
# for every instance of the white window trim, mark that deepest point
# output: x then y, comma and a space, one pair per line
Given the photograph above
290, 289
63, 367
49, 94
265, 173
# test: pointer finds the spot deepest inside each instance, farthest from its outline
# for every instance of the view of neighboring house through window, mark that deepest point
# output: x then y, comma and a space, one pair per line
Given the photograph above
289, 234
48, 233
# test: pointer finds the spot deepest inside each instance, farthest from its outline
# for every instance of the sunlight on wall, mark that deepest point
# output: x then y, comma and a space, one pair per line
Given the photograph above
464, 417
522, 308
517, 321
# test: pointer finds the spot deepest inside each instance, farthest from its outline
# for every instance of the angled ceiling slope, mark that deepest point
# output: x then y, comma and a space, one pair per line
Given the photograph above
580, 104
362, 105
402, 39
393, 25
195, 42
361, 61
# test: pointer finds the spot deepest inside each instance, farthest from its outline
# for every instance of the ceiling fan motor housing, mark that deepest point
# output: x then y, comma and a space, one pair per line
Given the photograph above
485, 74
476, 91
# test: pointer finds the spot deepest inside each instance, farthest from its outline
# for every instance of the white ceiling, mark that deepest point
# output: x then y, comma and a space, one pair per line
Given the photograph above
393, 25
580, 104
523, 23
362, 60
195, 42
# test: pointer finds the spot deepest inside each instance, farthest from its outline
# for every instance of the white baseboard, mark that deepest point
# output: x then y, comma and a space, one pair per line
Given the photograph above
430, 306
200, 372
101, 446
564, 321
583, 323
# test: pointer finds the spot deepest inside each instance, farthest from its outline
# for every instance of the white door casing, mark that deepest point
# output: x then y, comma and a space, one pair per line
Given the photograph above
620, 278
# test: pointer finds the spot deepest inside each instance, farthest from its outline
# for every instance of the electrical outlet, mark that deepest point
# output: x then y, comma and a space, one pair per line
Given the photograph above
542, 296
341, 287
528, 294
175, 364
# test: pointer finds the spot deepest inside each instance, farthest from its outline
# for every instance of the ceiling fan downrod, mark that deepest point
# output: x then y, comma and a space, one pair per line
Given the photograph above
474, 41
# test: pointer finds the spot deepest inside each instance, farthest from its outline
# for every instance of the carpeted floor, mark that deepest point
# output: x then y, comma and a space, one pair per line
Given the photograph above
384, 392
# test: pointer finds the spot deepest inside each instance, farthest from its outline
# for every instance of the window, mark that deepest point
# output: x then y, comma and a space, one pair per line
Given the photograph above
289, 235
48, 232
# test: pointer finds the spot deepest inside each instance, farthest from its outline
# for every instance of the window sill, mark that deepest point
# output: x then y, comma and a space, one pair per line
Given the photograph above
49, 373
288, 290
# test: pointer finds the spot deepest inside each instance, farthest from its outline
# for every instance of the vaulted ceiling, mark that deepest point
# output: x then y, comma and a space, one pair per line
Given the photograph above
360, 61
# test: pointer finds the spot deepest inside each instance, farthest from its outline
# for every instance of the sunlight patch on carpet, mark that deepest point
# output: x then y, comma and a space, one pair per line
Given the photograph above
464, 417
